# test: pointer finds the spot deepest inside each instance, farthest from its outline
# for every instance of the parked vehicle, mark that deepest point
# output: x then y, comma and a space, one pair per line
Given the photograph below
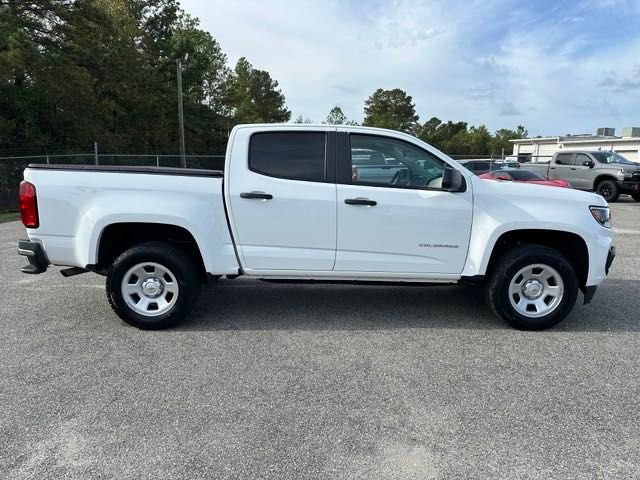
482, 166
606, 173
286, 208
526, 176
371, 165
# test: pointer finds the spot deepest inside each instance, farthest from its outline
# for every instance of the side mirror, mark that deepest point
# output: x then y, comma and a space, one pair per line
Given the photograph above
453, 180
589, 163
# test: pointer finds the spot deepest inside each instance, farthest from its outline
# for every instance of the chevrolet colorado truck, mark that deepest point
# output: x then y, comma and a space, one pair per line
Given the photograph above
288, 207
606, 173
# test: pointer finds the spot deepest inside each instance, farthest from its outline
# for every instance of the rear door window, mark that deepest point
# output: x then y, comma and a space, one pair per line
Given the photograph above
564, 158
289, 155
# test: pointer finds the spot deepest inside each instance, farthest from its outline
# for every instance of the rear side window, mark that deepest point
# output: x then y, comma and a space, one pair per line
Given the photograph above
564, 158
291, 155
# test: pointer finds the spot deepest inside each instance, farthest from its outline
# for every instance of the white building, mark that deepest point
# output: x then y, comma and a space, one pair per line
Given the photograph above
628, 145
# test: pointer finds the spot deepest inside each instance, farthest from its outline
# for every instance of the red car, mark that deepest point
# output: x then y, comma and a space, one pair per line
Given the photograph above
525, 176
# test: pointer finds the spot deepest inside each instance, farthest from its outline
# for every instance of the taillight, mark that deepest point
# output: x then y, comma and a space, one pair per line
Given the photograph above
28, 205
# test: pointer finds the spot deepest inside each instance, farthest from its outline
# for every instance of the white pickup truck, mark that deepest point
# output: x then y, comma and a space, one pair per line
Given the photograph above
290, 206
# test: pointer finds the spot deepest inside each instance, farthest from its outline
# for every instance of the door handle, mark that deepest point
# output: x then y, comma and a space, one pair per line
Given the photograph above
360, 201
256, 195
552, 168
574, 169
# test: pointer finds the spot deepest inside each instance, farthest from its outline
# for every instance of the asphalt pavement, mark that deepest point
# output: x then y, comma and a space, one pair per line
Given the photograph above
317, 381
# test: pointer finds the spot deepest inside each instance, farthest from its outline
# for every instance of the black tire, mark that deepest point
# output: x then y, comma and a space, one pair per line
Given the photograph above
179, 264
636, 196
609, 190
497, 288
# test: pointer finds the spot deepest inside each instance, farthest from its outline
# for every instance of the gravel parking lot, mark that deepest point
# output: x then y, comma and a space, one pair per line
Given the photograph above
273, 381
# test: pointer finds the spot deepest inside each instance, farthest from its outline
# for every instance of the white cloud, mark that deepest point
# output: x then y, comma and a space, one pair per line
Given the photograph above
495, 62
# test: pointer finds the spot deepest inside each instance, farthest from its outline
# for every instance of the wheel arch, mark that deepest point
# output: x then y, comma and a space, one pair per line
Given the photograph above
571, 245
117, 237
602, 177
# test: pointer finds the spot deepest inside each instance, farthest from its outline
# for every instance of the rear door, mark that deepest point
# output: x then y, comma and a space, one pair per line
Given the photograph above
401, 225
281, 193
560, 166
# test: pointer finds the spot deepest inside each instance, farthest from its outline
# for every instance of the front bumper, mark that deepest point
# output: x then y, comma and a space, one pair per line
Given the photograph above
629, 186
610, 256
589, 292
34, 252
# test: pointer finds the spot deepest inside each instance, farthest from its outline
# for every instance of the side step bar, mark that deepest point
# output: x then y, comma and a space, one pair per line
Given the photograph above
72, 271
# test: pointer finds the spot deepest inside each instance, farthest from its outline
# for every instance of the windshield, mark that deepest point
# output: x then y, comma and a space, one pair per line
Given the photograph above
611, 157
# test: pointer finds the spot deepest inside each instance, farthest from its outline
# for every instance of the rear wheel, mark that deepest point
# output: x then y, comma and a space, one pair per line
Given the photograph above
608, 189
636, 196
533, 287
153, 285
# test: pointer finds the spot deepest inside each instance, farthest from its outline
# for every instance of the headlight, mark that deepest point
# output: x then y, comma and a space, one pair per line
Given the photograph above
602, 215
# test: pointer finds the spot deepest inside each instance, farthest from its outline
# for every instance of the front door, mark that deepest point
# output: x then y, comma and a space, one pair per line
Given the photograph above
403, 224
282, 198
581, 174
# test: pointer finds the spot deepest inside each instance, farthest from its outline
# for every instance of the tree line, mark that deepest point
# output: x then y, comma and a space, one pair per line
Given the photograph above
77, 71
394, 109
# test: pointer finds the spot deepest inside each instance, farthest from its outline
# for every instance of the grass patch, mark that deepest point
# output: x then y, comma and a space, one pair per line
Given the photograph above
9, 216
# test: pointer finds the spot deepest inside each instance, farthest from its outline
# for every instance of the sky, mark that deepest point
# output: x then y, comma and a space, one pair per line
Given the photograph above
556, 67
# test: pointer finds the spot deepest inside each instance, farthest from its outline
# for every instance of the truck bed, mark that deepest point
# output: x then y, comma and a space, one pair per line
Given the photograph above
77, 202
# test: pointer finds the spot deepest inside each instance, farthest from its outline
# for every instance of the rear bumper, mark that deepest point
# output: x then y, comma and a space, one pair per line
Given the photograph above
34, 252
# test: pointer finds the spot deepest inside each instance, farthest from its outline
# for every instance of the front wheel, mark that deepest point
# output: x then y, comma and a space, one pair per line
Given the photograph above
533, 287
153, 285
608, 189
636, 196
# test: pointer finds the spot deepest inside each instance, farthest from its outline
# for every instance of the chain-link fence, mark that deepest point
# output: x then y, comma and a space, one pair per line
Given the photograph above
11, 168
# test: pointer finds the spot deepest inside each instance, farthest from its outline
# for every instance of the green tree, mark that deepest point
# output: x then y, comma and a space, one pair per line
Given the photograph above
336, 116
391, 109
255, 97
205, 80
449, 137
456, 138
77, 71
25, 39
479, 141
500, 141
301, 119
428, 130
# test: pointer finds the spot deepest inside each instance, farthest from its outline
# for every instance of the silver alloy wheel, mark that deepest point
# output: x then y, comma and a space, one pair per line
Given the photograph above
150, 289
536, 290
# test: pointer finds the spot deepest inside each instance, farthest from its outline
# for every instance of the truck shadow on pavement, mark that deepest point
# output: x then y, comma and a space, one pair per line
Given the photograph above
254, 305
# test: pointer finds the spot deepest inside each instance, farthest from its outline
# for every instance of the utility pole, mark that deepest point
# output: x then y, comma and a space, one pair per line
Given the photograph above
181, 113
95, 152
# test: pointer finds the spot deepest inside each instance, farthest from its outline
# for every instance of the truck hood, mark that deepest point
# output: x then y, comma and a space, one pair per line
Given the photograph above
546, 194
